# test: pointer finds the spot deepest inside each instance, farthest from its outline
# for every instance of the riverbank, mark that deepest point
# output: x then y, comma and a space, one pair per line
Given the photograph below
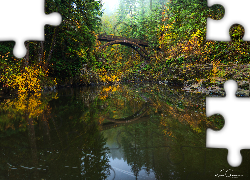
195, 78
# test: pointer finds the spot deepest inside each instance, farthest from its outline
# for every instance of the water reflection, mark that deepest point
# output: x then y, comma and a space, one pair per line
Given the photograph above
111, 132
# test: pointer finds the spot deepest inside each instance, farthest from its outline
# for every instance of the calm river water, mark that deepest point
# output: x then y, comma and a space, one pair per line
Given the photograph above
146, 131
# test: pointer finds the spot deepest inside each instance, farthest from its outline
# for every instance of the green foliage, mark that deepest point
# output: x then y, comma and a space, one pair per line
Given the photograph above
175, 31
75, 37
66, 48
139, 20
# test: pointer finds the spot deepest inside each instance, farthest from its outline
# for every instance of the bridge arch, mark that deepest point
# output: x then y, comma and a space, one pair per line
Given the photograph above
131, 44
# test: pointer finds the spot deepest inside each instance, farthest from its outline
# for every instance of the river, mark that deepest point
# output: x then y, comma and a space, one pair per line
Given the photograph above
129, 131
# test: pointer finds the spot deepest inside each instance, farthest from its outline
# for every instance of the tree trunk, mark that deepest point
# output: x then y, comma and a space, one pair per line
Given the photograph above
51, 48
40, 52
26, 58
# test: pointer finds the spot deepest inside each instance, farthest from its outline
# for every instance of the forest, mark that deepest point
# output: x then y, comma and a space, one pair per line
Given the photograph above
175, 31
119, 87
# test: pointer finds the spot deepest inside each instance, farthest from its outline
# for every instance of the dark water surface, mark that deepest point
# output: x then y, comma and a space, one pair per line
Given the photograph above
147, 131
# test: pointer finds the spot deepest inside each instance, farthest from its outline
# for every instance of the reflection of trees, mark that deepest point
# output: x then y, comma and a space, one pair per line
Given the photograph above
48, 138
22, 114
121, 103
145, 148
81, 141
125, 104
172, 120
19, 116
94, 159
63, 133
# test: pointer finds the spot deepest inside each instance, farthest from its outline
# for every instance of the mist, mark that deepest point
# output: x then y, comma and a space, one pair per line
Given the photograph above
110, 6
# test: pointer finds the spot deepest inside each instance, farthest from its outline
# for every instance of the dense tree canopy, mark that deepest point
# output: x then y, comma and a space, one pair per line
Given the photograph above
175, 31
66, 48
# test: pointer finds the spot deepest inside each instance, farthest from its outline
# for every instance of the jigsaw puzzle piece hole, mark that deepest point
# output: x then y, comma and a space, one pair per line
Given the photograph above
19, 49
216, 12
53, 19
231, 87
237, 32
234, 157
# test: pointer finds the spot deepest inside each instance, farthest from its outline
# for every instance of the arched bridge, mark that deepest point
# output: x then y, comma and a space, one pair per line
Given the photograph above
136, 44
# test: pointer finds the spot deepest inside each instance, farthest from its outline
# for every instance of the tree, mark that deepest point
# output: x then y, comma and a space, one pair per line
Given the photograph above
65, 49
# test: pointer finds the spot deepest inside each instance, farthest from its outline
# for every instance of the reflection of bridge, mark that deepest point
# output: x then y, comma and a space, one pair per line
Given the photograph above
136, 44
111, 125
135, 118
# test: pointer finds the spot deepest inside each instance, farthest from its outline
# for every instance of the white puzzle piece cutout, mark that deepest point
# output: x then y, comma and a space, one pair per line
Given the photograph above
235, 134
236, 12
23, 20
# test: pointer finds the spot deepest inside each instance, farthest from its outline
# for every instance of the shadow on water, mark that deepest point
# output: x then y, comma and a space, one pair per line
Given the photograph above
131, 131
